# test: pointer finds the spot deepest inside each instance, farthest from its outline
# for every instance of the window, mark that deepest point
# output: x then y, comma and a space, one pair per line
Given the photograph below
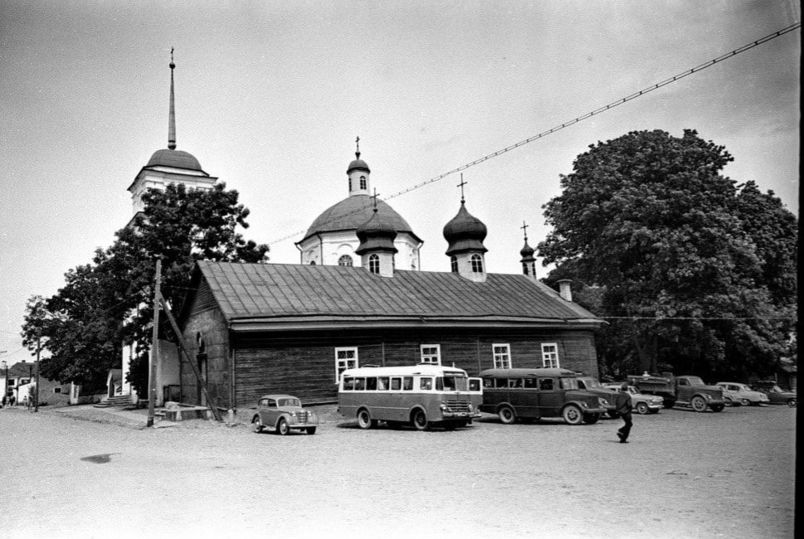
550, 355
546, 384
350, 184
407, 383
396, 384
502, 356
453, 262
426, 384
345, 260
374, 264
345, 358
477, 264
312, 262
56, 390
363, 182
382, 383
431, 353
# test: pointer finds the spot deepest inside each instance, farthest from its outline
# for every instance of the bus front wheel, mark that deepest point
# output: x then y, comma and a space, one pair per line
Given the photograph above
419, 419
364, 419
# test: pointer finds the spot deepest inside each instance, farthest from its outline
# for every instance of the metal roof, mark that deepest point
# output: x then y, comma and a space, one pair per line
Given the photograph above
261, 293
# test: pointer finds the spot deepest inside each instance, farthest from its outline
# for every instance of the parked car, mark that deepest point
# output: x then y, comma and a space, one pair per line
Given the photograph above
282, 414
643, 403
736, 394
606, 395
532, 394
687, 391
777, 395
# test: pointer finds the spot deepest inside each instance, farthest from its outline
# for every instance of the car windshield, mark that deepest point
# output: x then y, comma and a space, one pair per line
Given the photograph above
569, 383
695, 381
592, 383
289, 402
632, 390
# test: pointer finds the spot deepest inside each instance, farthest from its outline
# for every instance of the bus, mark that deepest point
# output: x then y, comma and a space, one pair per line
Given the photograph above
421, 395
535, 393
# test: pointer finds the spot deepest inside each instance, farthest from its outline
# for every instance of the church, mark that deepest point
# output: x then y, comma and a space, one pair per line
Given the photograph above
357, 297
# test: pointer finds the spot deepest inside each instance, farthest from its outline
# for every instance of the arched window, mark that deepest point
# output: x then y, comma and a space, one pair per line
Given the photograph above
363, 182
453, 262
345, 260
312, 262
477, 264
374, 264
350, 184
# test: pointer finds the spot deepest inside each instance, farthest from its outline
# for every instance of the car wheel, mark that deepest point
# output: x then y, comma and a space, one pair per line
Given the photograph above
507, 415
642, 408
256, 424
364, 419
282, 427
419, 419
791, 403
745, 402
591, 419
311, 430
698, 403
572, 415
729, 401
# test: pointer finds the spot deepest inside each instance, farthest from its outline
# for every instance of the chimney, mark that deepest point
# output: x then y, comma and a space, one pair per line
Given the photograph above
565, 289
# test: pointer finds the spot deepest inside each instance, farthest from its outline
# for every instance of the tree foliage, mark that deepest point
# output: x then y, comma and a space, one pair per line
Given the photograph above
110, 301
697, 272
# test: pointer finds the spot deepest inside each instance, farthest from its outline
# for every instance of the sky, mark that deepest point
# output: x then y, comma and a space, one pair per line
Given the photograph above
270, 96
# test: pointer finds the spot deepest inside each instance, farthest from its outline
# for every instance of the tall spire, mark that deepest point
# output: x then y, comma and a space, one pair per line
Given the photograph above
172, 115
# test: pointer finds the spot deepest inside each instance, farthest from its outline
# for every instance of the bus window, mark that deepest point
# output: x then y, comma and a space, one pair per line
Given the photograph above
383, 383
407, 383
515, 382
426, 383
488, 383
371, 383
500, 382
348, 383
439, 383
474, 384
546, 384
530, 383
568, 383
396, 384
360, 384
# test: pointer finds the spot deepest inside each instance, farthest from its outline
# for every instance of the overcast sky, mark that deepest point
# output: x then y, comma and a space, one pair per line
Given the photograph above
271, 95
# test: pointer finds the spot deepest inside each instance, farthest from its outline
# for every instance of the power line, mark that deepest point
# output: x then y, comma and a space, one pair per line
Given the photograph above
595, 112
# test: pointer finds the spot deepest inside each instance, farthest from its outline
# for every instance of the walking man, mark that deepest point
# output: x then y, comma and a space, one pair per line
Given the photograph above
623, 403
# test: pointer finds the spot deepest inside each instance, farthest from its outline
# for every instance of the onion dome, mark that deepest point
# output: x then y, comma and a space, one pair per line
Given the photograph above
357, 164
527, 251
465, 233
376, 234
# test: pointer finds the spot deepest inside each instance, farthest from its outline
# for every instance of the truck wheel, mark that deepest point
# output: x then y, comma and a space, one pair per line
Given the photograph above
507, 415
791, 403
572, 415
642, 408
698, 403
364, 419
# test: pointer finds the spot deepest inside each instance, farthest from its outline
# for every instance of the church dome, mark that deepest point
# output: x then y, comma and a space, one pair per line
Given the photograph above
377, 233
354, 211
358, 164
527, 251
174, 159
465, 232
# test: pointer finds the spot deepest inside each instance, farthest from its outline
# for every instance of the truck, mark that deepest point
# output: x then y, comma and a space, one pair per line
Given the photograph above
607, 396
688, 391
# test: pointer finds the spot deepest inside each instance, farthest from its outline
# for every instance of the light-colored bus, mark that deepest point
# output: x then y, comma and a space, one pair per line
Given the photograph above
420, 395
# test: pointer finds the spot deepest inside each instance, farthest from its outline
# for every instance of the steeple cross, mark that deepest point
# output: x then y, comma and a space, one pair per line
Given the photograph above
524, 227
357, 145
461, 186
374, 199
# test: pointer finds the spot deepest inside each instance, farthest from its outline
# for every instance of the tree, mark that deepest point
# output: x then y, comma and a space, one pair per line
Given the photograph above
682, 253
110, 301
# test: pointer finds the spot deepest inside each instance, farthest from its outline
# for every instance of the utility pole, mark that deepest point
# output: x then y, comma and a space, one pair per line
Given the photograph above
154, 346
38, 350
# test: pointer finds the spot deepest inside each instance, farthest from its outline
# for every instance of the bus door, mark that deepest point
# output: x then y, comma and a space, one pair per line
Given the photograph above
398, 400
551, 397
525, 397
475, 390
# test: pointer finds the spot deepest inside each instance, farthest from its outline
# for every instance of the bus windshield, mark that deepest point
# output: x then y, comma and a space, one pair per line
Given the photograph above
452, 382
569, 383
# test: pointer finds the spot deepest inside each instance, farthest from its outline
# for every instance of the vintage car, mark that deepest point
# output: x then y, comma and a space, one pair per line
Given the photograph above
642, 403
736, 394
777, 395
282, 414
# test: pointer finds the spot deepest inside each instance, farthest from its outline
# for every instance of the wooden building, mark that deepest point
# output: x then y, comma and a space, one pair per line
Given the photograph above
260, 328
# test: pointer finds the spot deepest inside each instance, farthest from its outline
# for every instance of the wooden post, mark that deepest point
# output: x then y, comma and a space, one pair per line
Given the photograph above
154, 347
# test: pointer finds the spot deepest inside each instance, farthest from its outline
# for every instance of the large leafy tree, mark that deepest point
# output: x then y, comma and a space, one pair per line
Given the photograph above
110, 301
697, 273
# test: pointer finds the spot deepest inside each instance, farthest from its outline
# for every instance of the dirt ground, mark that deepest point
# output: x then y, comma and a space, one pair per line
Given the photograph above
683, 474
